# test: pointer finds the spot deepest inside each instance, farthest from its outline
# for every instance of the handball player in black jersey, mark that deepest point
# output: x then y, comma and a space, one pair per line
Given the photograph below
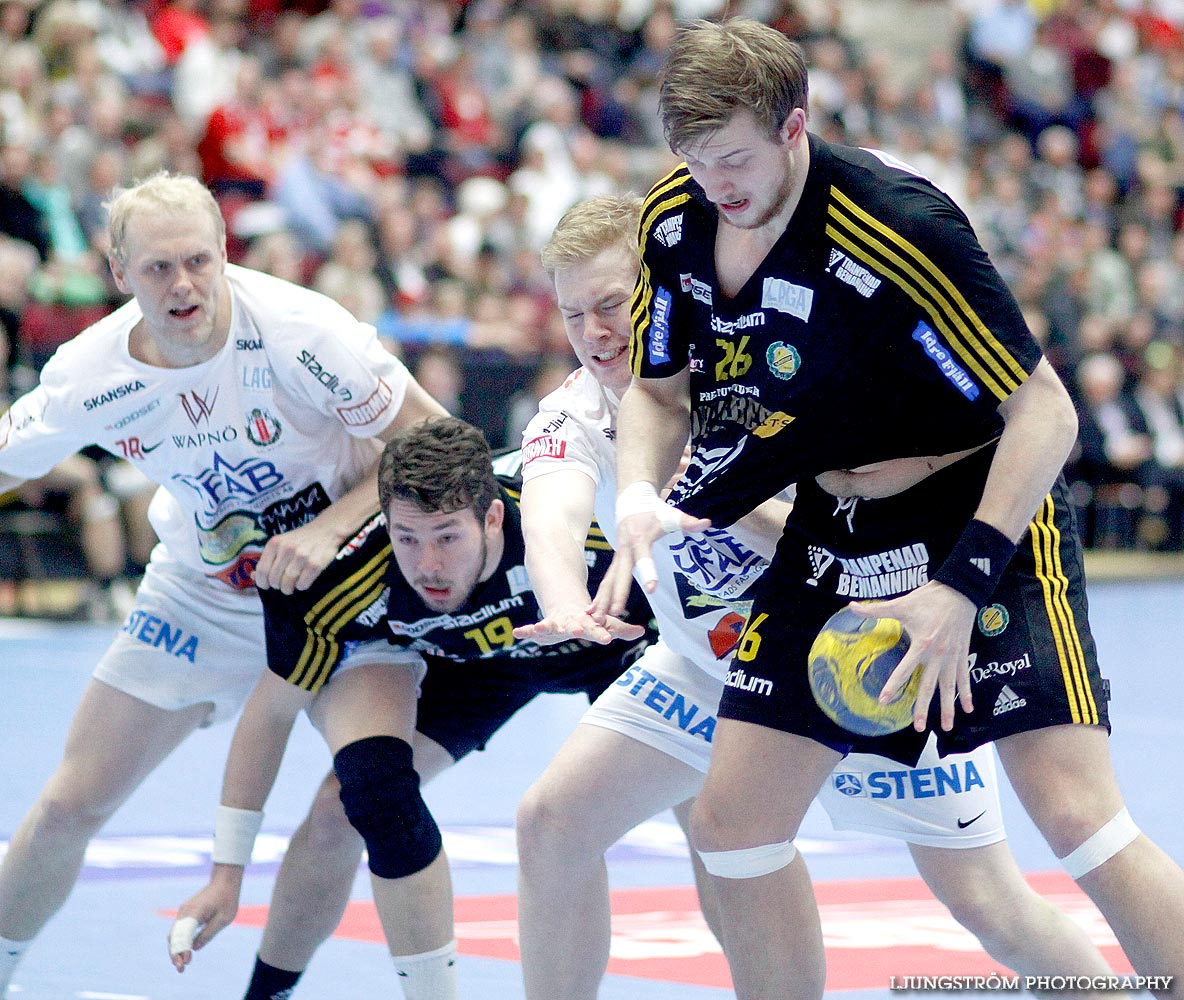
823, 315
426, 595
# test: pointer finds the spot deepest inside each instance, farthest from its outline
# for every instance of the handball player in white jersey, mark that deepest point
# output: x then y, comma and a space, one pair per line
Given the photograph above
259, 407
644, 745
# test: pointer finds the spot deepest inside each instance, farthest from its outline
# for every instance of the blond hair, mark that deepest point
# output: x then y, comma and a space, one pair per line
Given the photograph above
716, 69
590, 227
164, 192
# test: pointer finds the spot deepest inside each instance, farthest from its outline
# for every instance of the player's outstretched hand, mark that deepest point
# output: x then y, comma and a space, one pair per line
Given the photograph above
202, 916
578, 625
938, 621
293, 560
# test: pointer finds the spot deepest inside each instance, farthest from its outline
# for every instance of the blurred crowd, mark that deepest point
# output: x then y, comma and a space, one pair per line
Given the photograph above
408, 158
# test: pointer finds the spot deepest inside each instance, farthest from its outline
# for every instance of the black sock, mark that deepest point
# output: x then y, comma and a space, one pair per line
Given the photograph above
270, 983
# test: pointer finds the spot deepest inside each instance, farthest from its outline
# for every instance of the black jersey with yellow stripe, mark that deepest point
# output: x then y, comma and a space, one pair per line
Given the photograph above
875, 328
362, 597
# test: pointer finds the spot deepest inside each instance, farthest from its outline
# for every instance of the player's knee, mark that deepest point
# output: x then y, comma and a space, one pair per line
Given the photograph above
59, 814
380, 793
725, 846
545, 829
326, 828
1101, 845
995, 921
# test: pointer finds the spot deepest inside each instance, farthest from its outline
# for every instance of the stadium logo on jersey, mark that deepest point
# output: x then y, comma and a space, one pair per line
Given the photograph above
997, 668
993, 619
203, 438
741, 681
256, 377
783, 359
425, 625
157, 633
103, 398
262, 427
729, 326
855, 275
925, 336
786, 297
1008, 701
198, 407
670, 231
369, 409
659, 343
700, 290
135, 415
309, 361
668, 702
952, 778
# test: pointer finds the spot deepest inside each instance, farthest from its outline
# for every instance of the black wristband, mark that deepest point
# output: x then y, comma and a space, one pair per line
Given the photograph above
977, 562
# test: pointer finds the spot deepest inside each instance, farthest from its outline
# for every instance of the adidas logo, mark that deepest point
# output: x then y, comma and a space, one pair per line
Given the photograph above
982, 563
1008, 701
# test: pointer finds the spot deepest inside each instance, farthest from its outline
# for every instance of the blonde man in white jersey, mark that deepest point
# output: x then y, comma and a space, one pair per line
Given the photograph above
644, 745
260, 408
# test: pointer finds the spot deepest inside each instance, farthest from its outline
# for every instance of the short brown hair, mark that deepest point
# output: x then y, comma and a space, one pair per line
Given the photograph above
718, 68
176, 193
441, 466
590, 227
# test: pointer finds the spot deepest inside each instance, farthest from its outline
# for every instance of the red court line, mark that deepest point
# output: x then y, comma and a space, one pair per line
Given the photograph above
873, 929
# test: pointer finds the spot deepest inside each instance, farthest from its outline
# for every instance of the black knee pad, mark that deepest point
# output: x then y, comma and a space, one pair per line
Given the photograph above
380, 793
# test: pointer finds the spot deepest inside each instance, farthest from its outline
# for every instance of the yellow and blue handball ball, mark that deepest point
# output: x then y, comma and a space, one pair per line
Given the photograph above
850, 661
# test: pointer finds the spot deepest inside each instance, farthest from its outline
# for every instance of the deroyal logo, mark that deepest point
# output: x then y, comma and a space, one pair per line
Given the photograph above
103, 398
329, 380
659, 342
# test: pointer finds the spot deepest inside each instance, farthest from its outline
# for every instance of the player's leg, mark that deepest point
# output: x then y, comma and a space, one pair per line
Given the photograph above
985, 892
367, 716
758, 788
115, 741
313, 885
704, 885
1065, 779
598, 786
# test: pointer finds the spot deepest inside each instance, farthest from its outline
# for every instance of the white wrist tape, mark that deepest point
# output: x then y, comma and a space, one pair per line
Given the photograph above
642, 498
182, 935
1102, 846
235, 831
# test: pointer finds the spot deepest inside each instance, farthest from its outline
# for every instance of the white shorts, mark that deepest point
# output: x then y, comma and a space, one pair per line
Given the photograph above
188, 640
666, 702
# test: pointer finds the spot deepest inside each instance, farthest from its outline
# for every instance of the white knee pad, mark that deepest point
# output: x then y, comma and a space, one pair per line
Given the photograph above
749, 862
1102, 846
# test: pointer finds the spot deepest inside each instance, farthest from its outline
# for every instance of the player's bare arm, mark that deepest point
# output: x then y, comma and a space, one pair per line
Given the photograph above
256, 751
556, 515
1040, 426
293, 560
652, 430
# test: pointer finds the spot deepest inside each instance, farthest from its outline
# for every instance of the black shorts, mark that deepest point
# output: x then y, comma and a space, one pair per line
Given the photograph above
1033, 659
461, 705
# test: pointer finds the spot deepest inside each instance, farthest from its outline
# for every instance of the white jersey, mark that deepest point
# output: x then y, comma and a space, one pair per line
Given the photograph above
255, 441
702, 614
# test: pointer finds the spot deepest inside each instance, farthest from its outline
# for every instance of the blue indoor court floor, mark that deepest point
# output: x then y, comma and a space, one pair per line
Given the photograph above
108, 943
